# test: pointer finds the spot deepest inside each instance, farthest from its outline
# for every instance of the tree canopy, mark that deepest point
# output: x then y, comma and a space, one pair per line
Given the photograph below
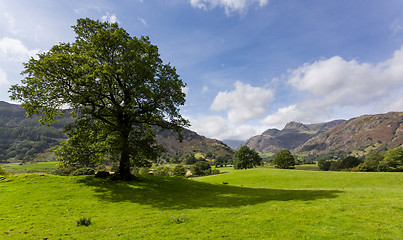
284, 159
394, 159
246, 158
117, 87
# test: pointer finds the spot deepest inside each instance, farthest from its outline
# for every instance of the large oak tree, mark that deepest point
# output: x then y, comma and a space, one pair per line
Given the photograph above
118, 88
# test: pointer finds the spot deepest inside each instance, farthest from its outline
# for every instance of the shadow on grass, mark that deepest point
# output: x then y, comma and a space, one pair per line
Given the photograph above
180, 193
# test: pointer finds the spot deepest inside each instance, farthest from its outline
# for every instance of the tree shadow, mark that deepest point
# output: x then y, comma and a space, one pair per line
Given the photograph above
180, 193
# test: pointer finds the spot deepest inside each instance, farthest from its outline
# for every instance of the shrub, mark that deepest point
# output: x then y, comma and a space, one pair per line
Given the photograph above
144, 171
372, 160
324, 165
3, 171
350, 162
362, 167
102, 174
83, 221
179, 170
201, 168
64, 170
336, 166
394, 159
83, 171
162, 171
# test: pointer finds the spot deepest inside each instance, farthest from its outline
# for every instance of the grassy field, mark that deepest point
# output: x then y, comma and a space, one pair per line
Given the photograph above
40, 167
261, 203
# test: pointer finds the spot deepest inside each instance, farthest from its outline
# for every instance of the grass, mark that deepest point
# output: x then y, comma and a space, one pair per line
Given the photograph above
40, 167
261, 203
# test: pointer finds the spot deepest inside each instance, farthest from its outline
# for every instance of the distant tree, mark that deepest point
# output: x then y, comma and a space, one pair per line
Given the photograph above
201, 168
220, 161
394, 159
246, 158
118, 87
350, 162
372, 160
284, 159
324, 164
179, 170
190, 159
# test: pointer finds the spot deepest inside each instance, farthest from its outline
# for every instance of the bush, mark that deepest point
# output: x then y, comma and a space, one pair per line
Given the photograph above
84, 221
3, 172
324, 165
83, 171
394, 159
201, 168
179, 170
162, 171
64, 170
362, 167
102, 174
350, 162
144, 171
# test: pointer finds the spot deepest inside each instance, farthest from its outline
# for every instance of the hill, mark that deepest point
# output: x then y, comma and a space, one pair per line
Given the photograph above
360, 135
292, 136
26, 139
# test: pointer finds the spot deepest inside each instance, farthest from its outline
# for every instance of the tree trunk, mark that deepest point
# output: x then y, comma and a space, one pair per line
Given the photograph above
124, 165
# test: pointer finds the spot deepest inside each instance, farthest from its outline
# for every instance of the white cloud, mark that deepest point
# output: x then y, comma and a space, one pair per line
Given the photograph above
15, 50
110, 18
220, 128
3, 78
230, 6
396, 26
143, 21
11, 23
333, 85
244, 103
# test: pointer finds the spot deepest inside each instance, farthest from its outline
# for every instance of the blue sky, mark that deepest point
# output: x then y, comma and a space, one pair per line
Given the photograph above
249, 65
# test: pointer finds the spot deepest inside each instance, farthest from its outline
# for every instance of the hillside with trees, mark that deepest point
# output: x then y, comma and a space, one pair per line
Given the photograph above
26, 139
359, 135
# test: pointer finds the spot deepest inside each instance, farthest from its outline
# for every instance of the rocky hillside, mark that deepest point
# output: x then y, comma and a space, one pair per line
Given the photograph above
291, 137
24, 138
359, 135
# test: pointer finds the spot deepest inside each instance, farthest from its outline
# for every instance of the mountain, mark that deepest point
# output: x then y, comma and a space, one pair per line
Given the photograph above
24, 138
292, 136
359, 135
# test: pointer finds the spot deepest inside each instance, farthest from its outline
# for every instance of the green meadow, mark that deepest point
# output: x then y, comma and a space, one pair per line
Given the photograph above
262, 203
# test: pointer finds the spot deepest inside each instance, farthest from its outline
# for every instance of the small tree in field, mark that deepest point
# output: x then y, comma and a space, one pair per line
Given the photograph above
118, 88
246, 158
284, 159
394, 159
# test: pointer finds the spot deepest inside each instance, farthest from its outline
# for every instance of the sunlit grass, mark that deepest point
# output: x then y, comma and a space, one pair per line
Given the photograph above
255, 204
39, 167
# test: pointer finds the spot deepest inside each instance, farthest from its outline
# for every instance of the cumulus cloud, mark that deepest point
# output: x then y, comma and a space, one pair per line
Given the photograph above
15, 50
244, 103
230, 6
219, 128
336, 83
110, 18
